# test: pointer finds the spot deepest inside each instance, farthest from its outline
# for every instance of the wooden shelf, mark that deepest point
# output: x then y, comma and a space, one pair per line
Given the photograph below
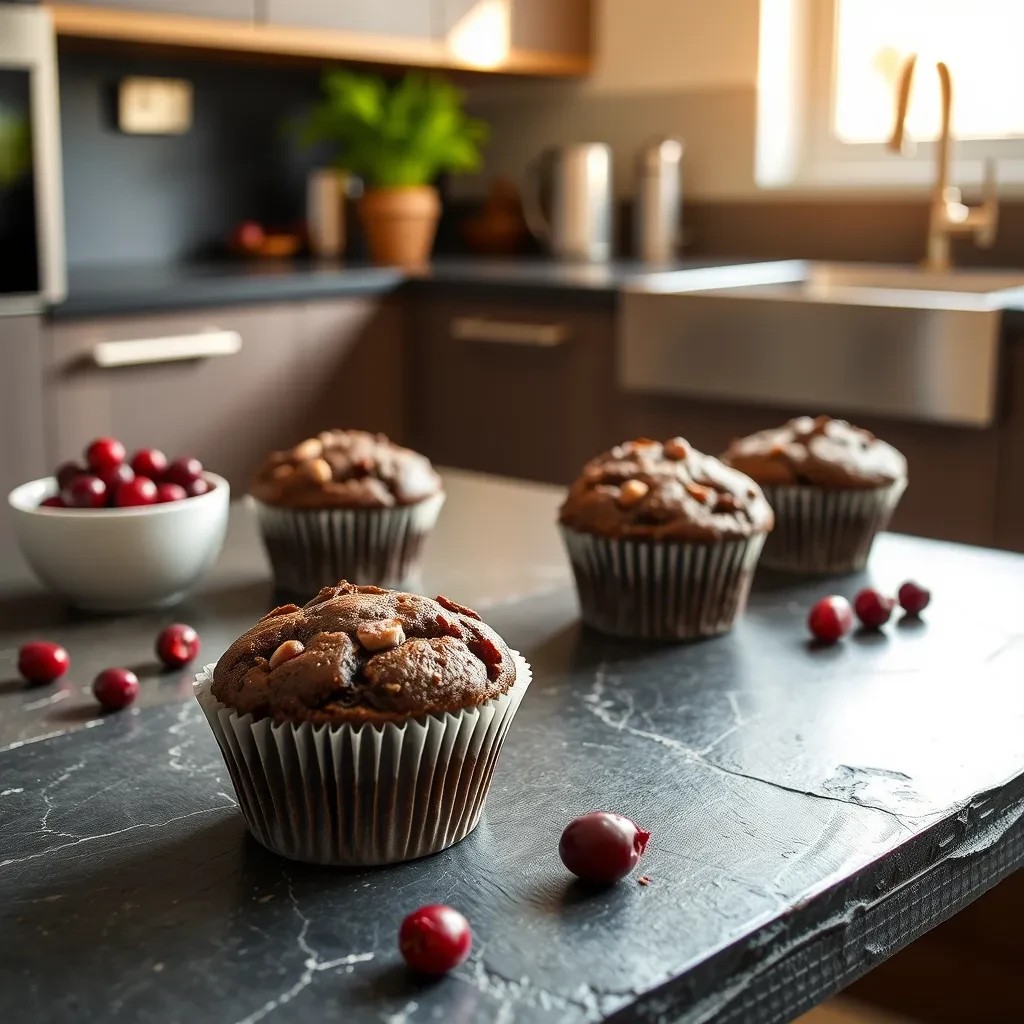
190, 33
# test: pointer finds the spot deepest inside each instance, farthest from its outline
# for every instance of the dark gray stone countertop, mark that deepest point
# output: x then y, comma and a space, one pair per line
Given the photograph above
812, 810
116, 289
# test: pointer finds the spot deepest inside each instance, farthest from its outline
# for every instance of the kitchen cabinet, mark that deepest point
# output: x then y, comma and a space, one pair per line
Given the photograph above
237, 10
23, 455
1009, 509
953, 471
300, 368
519, 389
396, 17
540, 26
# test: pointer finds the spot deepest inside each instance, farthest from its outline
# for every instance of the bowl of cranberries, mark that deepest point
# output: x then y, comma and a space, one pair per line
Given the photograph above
120, 531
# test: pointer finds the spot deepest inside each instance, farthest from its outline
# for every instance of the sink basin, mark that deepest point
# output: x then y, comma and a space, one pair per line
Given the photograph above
821, 337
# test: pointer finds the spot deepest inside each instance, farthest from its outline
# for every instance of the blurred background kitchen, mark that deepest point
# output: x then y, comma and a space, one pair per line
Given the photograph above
513, 232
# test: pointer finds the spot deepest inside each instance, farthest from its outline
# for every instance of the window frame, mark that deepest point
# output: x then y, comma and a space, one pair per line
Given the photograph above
795, 146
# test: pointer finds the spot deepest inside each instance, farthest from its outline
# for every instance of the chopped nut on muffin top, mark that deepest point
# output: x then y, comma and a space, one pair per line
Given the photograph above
345, 469
363, 654
822, 452
647, 489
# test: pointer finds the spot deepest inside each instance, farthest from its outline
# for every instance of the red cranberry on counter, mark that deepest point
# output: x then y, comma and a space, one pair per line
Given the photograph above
139, 490
55, 502
85, 491
183, 471
116, 688
40, 661
602, 846
149, 462
830, 619
104, 454
177, 645
67, 472
198, 487
872, 608
914, 598
434, 939
170, 492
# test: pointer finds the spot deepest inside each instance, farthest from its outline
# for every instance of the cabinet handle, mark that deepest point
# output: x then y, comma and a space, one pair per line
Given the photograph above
509, 332
137, 351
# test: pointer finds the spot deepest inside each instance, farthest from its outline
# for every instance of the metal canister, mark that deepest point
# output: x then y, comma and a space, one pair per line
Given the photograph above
658, 209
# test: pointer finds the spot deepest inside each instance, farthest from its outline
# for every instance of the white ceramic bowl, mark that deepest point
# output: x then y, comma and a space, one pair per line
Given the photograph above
120, 559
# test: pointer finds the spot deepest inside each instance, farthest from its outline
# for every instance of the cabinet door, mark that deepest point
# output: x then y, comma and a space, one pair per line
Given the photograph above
547, 26
227, 410
23, 455
395, 17
1009, 504
236, 10
503, 388
352, 352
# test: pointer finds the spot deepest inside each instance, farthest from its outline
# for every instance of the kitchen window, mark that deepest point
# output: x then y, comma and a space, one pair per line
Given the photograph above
827, 84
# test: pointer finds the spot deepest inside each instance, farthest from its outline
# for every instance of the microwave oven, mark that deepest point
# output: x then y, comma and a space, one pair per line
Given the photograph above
32, 260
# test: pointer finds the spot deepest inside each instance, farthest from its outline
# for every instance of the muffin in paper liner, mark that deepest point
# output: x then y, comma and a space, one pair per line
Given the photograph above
358, 796
661, 590
826, 530
313, 548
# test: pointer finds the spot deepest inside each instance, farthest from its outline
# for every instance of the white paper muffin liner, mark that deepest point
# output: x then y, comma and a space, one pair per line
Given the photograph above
314, 548
661, 590
826, 530
356, 796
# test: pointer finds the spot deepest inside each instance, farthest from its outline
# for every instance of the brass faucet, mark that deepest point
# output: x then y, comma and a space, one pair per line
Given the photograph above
948, 215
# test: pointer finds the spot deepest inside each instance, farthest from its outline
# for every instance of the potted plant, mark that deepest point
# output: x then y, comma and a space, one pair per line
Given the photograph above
398, 138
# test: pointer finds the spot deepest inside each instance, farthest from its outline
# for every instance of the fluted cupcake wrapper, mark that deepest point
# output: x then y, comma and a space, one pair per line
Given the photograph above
356, 796
661, 590
826, 530
314, 548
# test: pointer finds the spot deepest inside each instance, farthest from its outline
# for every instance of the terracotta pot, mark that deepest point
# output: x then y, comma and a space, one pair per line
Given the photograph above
400, 223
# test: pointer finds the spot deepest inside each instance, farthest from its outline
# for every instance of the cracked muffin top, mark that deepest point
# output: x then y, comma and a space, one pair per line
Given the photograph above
362, 654
345, 469
822, 452
664, 491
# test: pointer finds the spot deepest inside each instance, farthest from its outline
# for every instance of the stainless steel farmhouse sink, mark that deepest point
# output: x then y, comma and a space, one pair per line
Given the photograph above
836, 337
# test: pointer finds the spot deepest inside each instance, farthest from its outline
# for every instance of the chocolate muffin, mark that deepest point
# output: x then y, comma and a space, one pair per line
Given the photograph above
663, 540
345, 503
833, 487
363, 727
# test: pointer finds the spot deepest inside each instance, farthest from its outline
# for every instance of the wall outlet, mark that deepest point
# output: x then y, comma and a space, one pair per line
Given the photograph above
154, 106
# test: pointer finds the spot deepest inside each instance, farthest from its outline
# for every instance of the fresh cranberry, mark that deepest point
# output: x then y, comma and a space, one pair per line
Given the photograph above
872, 608
602, 846
85, 491
55, 502
41, 661
197, 487
830, 619
104, 453
140, 490
914, 598
116, 688
183, 471
434, 939
177, 645
170, 492
114, 477
67, 472
149, 462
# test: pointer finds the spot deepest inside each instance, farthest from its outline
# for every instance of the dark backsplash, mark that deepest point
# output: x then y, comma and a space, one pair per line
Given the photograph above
137, 198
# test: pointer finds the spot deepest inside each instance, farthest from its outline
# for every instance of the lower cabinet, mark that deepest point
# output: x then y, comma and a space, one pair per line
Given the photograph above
519, 389
1009, 509
252, 379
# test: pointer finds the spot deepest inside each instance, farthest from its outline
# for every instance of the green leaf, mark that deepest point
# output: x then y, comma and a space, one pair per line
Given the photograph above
402, 134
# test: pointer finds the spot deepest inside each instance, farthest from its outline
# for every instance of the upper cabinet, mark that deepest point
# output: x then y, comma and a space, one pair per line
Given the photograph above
395, 18
526, 37
239, 10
